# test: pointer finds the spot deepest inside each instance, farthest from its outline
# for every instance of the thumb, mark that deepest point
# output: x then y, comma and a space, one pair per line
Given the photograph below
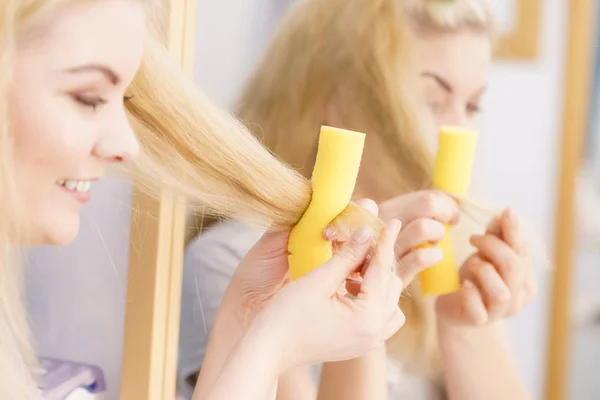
271, 245
352, 255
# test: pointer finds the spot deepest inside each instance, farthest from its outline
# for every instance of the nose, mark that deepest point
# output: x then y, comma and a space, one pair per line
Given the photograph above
118, 143
456, 116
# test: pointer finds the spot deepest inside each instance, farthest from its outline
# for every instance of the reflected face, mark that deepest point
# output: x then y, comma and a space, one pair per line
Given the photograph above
453, 69
67, 112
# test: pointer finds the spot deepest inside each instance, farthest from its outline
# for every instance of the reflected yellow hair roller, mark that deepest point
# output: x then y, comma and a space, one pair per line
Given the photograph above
333, 180
452, 174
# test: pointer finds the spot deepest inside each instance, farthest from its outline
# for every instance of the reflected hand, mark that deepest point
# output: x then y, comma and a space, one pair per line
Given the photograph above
423, 215
497, 281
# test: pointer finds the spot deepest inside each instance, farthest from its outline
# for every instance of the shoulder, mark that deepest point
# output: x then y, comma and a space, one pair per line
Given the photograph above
230, 236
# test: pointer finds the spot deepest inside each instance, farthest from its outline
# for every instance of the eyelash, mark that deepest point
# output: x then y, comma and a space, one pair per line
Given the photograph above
474, 108
92, 102
95, 102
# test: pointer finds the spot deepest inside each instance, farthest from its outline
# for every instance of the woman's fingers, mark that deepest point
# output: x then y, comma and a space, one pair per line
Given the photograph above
330, 233
495, 293
503, 257
368, 205
417, 232
352, 255
431, 204
511, 232
472, 304
378, 272
416, 261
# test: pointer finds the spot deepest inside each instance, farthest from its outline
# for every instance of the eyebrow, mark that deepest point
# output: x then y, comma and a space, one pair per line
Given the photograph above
112, 77
446, 85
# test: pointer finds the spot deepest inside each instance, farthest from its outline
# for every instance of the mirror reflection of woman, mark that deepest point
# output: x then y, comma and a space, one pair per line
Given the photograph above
384, 67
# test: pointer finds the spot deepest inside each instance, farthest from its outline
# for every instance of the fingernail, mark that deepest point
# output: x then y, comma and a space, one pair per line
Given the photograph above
467, 284
362, 235
475, 239
329, 233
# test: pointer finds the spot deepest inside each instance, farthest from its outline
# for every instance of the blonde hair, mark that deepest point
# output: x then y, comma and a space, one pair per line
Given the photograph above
189, 147
450, 15
354, 54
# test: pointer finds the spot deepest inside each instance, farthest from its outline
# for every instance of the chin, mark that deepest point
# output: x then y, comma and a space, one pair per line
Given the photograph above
58, 234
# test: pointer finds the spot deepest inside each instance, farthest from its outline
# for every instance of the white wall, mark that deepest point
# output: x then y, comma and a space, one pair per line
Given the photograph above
232, 35
519, 142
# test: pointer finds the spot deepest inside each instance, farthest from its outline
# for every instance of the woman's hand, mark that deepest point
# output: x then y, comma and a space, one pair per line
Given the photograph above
306, 321
497, 281
265, 270
317, 323
423, 215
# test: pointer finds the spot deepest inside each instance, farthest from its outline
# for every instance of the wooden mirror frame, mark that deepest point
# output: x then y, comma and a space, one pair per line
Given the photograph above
156, 260
523, 42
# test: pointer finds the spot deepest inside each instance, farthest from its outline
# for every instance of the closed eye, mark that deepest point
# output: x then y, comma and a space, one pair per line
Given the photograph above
473, 108
90, 101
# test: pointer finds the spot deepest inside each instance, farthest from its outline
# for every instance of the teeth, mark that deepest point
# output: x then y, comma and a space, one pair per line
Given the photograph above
80, 186
71, 185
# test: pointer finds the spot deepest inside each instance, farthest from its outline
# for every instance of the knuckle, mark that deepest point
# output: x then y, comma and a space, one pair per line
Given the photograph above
510, 272
513, 262
429, 202
420, 227
419, 258
396, 282
501, 297
400, 318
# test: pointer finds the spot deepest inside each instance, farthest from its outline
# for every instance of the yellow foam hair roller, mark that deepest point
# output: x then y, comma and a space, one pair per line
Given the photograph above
452, 174
333, 180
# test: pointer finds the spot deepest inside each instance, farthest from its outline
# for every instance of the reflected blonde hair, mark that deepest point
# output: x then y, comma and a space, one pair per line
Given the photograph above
189, 147
450, 15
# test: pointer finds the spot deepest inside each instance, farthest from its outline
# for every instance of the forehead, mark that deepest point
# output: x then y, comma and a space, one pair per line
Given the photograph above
109, 31
463, 52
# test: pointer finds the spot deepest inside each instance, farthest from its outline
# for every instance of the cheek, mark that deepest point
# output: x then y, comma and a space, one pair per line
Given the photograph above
52, 141
52, 138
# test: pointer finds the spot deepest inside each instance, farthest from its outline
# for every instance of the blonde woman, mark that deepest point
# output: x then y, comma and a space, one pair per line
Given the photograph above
75, 77
347, 63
